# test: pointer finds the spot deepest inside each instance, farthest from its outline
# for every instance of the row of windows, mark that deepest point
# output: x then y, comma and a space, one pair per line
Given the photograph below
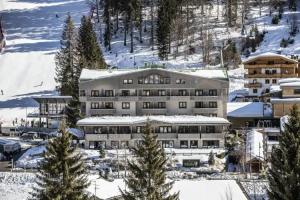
149, 105
110, 93
163, 143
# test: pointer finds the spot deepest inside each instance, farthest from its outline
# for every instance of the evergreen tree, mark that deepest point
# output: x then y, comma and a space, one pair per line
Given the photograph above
62, 173
107, 20
284, 173
90, 52
66, 58
147, 174
211, 158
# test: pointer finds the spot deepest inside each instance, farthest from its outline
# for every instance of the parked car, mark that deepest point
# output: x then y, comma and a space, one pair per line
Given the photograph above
29, 136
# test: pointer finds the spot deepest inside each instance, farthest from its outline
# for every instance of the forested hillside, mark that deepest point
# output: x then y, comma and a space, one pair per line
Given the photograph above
191, 32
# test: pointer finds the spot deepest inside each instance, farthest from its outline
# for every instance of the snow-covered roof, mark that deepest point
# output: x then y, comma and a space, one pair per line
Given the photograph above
288, 80
88, 74
290, 84
275, 88
287, 100
128, 120
269, 54
254, 145
248, 109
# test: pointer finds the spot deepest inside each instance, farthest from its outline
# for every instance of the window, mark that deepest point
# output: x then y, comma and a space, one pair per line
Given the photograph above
125, 93
274, 71
212, 92
199, 104
95, 105
198, 92
108, 105
161, 92
212, 115
109, 93
194, 143
211, 143
95, 93
161, 105
146, 93
82, 93
127, 81
254, 90
210, 129
182, 93
167, 143
267, 81
140, 129
125, 105
213, 104
146, 104
267, 71
296, 91
184, 143
115, 144
180, 81
182, 104
270, 62
154, 79
274, 81
165, 129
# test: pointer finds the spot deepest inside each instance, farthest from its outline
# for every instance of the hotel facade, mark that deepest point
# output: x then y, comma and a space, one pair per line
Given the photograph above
186, 108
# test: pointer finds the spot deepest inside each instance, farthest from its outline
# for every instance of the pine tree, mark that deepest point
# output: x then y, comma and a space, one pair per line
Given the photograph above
284, 173
62, 173
147, 174
107, 20
90, 52
66, 58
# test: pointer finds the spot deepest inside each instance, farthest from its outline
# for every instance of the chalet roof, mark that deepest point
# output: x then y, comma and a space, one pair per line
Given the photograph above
88, 74
48, 98
129, 120
269, 55
248, 109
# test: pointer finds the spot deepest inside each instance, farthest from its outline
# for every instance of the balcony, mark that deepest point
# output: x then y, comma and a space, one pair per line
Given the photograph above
103, 111
205, 110
269, 66
154, 98
154, 111
186, 136
211, 136
253, 85
101, 98
119, 136
262, 75
96, 137
206, 98
131, 97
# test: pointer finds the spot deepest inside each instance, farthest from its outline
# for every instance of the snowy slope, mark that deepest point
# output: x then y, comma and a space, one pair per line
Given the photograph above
27, 66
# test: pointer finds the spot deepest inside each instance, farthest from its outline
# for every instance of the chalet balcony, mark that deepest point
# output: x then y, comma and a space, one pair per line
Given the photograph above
253, 85
154, 98
197, 110
101, 98
270, 66
103, 111
261, 75
154, 111
96, 137
119, 136
211, 136
186, 136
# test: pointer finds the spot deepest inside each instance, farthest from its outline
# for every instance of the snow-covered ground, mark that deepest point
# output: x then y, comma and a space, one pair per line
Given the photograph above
18, 186
27, 66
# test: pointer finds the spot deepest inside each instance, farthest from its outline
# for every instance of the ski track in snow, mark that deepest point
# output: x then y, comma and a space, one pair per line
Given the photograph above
27, 66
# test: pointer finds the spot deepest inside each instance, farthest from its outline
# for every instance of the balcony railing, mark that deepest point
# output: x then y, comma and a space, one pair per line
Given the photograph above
269, 66
262, 75
253, 85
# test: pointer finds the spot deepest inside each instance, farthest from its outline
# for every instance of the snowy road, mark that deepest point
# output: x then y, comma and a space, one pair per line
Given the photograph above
27, 66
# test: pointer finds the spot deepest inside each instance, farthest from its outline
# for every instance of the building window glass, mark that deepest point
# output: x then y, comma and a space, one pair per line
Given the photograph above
108, 93
274, 81
146, 104
140, 129
267, 81
213, 104
194, 143
161, 92
180, 81
199, 104
212, 92
254, 90
146, 93
210, 129
125, 93
115, 144
167, 143
296, 91
198, 92
165, 129
182, 104
95, 93
82, 93
125, 105
161, 105
109, 105
182, 93
127, 81
154, 79
211, 143
274, 71
184, 143
95, 105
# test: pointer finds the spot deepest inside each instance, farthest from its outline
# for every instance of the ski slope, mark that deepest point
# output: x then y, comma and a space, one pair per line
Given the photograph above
27, 66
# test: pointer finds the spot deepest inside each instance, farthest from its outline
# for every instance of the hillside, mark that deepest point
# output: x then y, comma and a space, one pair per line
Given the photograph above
33, 30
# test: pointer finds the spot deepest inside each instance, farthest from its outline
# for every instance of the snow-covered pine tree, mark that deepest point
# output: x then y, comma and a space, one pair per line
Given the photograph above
107, 20
284, 172
66, 59
90, 53
62, 173
147, 173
